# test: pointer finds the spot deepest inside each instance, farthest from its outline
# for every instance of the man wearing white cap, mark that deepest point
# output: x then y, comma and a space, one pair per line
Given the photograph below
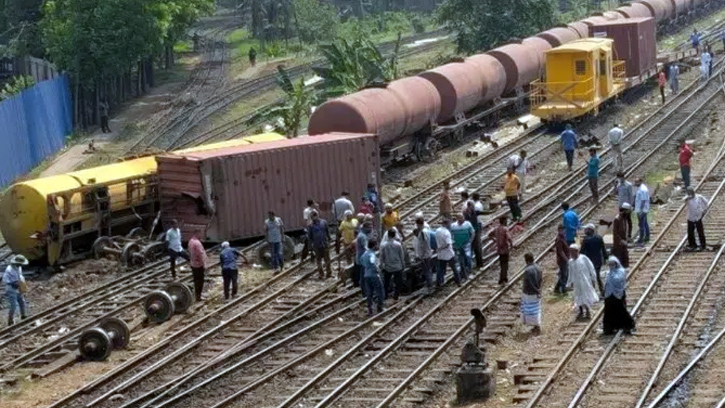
582, 278
14, 283
230, 275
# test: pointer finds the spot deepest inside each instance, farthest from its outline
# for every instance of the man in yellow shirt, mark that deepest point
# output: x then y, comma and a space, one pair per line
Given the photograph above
348, 226
390, 218
511, 187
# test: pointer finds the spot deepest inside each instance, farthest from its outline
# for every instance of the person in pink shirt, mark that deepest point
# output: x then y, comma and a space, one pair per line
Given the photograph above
198, 263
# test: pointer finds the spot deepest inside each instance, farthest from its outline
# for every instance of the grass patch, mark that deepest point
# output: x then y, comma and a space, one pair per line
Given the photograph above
184, 47
684, 34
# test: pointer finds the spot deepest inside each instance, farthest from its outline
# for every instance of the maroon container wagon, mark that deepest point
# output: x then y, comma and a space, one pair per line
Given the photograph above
634, 42
226, 193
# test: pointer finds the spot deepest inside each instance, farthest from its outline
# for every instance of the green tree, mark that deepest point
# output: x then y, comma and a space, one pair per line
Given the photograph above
19, 27
297, 105
94, 39
482, 24
353, 65
315, 21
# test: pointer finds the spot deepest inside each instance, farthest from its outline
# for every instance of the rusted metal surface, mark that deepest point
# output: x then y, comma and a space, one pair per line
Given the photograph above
375, 110
635, 10
492, 73
581, 28
226, 193
660, 9
420, 99
594, 20
682, 6
540, 46
521, 63
634, 42
459, 85
559, 35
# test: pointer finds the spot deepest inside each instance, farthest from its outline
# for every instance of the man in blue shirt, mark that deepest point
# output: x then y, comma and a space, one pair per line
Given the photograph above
319, 235
371, 279
571, 223
695, 39
361, 245
593, 173
569, 143
230, 275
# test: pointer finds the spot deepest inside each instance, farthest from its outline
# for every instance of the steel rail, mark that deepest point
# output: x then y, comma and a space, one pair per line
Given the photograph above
682, 374
681, 326
188, 347
142, 357
173, 385
300, 359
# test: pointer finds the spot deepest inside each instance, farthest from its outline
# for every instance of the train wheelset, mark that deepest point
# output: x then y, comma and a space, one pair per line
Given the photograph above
96, 343
161, 305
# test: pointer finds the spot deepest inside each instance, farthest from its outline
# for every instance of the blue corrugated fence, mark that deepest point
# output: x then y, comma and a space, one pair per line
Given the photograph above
34, 125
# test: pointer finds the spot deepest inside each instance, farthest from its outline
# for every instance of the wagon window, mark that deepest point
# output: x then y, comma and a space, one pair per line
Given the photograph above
580, 66
603, 67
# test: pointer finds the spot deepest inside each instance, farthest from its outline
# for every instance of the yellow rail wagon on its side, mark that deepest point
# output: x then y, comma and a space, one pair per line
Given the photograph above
57, 219
580, 76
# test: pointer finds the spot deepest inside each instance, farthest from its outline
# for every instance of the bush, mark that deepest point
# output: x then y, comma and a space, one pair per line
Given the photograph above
418, 25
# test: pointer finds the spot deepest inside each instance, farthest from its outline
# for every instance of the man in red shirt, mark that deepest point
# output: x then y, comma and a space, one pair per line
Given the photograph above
685, 156
662, 81
503, 241
197, 261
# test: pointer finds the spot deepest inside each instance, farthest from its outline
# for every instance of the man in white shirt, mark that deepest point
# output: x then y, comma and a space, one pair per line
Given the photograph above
307, 218
696, 208
521, 166
341, 205
446, 255
641, 208
615, 135
173, 245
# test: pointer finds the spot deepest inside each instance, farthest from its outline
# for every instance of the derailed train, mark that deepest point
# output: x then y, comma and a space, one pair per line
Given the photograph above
57, 219
407, 114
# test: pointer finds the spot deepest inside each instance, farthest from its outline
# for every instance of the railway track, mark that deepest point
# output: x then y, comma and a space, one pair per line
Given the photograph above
175, 133
297, 282
50, 335
212, 67
237, 126
554, 375
196, 390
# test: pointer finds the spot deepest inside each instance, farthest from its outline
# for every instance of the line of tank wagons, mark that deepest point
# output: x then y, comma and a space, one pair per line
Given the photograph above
407, 112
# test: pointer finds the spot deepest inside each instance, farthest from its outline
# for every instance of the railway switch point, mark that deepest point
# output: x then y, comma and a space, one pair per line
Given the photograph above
161, 305
475, 380
96, 343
